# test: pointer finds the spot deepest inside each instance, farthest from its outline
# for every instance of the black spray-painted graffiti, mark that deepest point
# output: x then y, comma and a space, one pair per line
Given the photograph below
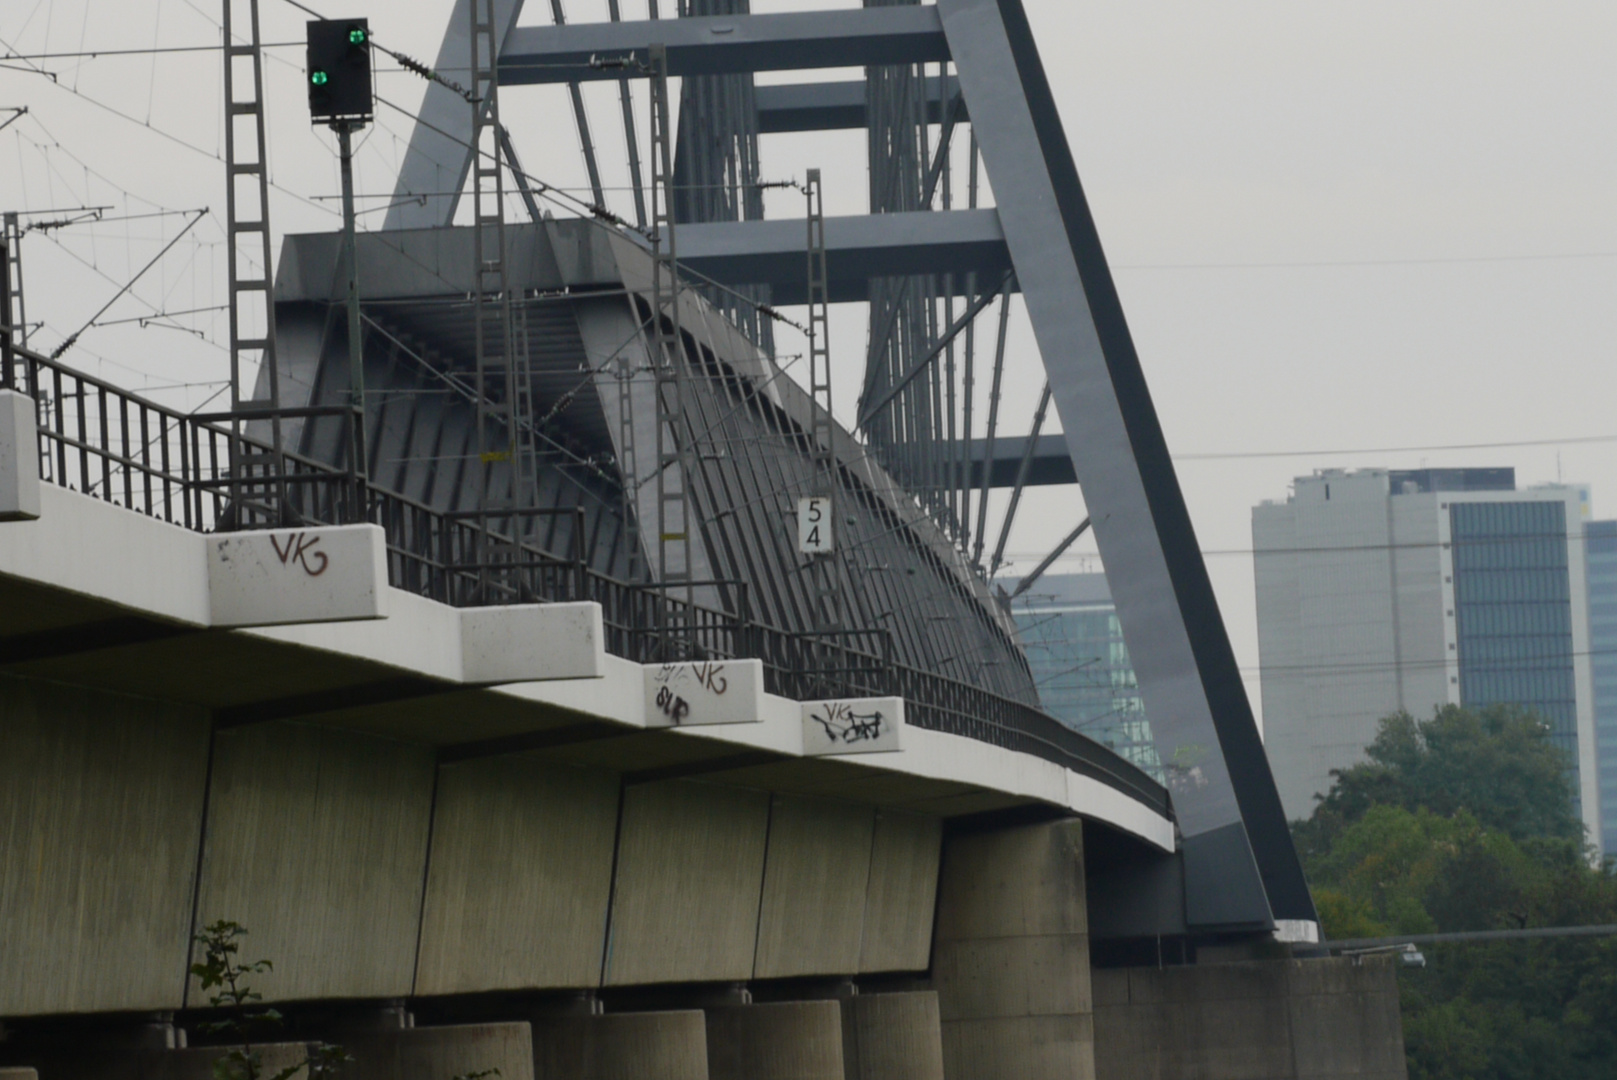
706, 676
300, 549
843, 725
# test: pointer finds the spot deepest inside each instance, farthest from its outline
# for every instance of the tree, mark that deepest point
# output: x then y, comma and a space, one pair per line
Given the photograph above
1496, 762
1465, 822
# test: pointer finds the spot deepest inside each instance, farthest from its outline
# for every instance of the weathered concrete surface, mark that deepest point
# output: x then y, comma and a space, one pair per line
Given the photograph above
438, 1053
1262, 1020
790, 1040
196, 1063
690, 870
100, 817
520, 875
18, 1074
1012, 962
276, 576
622, 1046
902, 893
892, 1036
317, 843
815, 877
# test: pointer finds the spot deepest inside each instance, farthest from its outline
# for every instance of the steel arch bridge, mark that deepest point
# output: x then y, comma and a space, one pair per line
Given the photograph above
654, 434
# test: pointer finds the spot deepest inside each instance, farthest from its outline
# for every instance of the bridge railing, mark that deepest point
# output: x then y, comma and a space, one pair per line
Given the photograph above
106, 442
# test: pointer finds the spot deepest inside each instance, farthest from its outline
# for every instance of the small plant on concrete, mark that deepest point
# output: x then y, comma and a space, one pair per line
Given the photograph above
221, 970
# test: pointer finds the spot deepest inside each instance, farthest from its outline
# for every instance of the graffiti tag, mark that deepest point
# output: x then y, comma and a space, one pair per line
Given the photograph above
843, 725
299, 549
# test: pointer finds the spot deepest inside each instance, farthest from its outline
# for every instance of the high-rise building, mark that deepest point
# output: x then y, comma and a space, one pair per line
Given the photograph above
1380, 591
1600, 542
1074, 645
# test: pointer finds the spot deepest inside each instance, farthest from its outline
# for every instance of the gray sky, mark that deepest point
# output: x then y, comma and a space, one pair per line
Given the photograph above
1357, 227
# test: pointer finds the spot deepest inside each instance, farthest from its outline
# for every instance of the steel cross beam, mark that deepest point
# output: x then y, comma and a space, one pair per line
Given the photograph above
835, 106
727, 44
858, 248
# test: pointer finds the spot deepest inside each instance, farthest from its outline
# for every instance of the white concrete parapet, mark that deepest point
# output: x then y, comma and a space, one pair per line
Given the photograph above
19, 457
852, 726
318, 574
704, 692
532, 642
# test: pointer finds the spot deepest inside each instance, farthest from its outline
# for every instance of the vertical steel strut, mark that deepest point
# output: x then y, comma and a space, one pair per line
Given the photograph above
827, 585
502, 428
257, 490
675, 455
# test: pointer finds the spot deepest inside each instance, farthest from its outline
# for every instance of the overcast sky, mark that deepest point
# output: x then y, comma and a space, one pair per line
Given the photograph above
1385, 231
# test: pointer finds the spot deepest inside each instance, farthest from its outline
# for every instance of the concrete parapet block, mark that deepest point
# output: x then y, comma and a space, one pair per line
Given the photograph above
791, 1040
19, 457
438, 1053
622, 1046
18, 1074
853, 726
1029, 1047
272, 577
532, 643
704, 692
892, 1036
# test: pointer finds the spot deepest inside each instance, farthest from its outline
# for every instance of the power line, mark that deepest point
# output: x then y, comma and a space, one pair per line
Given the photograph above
97, 53
1577, 440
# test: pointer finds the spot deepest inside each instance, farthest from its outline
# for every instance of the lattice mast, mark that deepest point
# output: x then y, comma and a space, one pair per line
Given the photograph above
827, 586
256, 484
504, 403
675, 456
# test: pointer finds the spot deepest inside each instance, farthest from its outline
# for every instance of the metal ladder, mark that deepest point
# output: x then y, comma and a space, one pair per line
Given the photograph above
256, 482
497, 373
675, 454
822, 430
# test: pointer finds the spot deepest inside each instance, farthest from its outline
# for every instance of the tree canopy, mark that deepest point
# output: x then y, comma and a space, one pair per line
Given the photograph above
1466, 822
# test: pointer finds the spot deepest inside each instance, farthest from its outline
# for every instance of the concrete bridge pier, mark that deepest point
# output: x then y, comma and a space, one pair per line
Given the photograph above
669, 1045
788, 1040
1011, 962
893, 1036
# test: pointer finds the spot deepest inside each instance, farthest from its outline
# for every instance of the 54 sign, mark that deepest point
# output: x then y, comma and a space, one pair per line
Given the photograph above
814, 527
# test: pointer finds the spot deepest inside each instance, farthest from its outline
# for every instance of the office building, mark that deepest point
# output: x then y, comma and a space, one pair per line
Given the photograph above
1380, 591
1074, 645
1600, 542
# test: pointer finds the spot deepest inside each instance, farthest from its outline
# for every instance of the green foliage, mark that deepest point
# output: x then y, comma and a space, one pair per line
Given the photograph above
221, 969
1497, 762
1464, 822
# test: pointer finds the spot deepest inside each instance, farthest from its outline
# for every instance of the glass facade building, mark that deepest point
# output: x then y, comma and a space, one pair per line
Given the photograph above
1601, 545
1075, 648
1513, 612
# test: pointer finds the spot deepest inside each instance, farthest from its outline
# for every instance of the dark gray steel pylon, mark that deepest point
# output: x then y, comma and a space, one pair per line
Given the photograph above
1241, 870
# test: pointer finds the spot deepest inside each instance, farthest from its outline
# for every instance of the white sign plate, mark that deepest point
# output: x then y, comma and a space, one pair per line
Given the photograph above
814, 536
852, 726
704, 692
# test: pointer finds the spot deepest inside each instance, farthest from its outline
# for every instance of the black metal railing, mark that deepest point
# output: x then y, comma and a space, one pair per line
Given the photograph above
105, 442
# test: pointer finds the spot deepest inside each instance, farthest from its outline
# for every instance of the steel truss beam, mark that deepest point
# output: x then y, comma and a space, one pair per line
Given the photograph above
834, 106
727, 44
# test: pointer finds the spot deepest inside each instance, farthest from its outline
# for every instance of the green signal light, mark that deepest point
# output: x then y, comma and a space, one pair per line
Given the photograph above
319, 78
356, 36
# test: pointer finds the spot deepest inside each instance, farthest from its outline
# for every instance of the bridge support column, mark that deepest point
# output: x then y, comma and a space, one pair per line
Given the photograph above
435, 1053
892, 1036
1011, 965
621, 1046
791, 1040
